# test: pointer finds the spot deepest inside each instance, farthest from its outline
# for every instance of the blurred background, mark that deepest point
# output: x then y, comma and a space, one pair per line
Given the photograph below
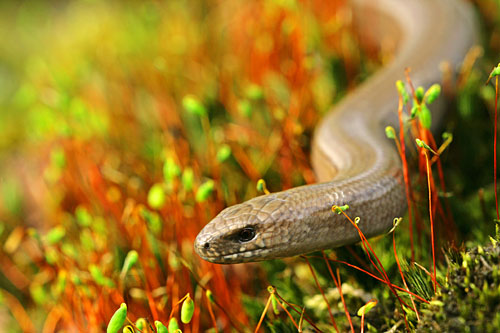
127, 125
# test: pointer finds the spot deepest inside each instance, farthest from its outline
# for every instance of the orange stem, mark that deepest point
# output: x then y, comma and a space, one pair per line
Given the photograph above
322, 293
403, 277
431, 219
406, 176
495, 147
376, 278
339, 287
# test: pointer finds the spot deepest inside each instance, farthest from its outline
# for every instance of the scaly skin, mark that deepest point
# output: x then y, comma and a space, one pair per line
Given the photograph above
354, 161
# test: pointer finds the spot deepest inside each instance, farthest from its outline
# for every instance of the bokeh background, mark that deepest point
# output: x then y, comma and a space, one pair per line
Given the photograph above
127, 125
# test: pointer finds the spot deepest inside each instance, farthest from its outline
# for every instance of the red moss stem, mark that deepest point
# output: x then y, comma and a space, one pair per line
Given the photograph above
495, 148
322, 293
339, 288
431, 220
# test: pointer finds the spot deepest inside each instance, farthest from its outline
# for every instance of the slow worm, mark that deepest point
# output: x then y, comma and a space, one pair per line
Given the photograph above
354, 162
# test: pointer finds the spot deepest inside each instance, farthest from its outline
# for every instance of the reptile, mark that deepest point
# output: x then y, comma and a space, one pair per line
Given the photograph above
355, 164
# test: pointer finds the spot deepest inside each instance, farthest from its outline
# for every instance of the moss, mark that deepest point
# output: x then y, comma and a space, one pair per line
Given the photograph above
470, 299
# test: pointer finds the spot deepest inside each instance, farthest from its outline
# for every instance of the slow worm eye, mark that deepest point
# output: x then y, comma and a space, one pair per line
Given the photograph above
246, 234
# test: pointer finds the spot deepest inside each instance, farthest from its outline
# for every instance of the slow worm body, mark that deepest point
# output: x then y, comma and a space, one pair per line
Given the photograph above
354, 162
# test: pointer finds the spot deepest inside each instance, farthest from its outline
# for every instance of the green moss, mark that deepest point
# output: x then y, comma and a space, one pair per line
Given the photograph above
470, 299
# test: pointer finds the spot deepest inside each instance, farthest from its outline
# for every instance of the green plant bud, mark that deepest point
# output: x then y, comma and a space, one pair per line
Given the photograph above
340, 209
160, 328
261, 186
117, 320
245, 108
192, 105
432, 93
187, 179
141, 324
83, 217
128, 329
422, 144
98, 277
223, 153
187, 310
437, 303
402, 91
495, 72
170, 170
254, 92
62, 278
419, 94
425, 116
51, 255
69, 250
366, 308
130, 260
390, 132
210, 296
414, 111
55, 235
205, 190
156, 196
173, 325
447, 136
38, 293
395, 223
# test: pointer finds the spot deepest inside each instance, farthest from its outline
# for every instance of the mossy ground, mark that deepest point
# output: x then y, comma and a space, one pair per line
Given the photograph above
469, 300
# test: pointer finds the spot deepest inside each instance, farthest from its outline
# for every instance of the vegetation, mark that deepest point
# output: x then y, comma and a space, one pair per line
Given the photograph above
125, 126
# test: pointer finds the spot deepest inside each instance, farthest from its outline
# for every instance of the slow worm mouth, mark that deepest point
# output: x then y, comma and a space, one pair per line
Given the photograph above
232, 258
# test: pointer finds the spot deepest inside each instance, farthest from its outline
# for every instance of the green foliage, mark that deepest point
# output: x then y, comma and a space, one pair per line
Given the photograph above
425, 116
418, 280
279, 326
